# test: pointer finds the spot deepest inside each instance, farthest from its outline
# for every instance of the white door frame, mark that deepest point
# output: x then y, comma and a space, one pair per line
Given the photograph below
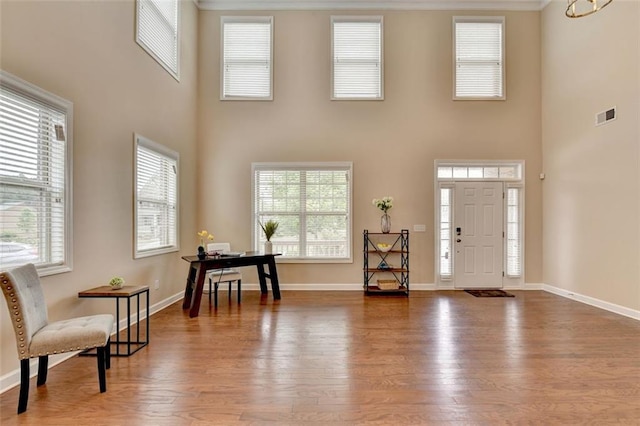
511, 173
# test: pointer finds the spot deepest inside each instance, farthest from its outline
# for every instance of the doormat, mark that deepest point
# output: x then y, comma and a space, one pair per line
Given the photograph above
489, 293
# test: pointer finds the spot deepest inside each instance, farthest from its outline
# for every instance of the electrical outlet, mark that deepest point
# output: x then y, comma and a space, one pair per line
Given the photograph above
157, 284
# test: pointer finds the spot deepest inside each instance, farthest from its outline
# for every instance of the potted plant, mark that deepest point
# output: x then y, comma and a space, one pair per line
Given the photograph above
269, 228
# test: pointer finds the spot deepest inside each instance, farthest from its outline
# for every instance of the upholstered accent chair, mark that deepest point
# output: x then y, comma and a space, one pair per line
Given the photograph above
225, 275
37, 337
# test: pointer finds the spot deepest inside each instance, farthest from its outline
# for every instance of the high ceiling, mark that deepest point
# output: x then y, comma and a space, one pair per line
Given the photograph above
371, 4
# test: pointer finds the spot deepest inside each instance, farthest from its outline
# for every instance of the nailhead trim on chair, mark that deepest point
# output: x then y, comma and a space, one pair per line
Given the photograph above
7, 285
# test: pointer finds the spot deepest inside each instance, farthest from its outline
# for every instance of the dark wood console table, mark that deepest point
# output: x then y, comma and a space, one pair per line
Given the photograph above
198, 271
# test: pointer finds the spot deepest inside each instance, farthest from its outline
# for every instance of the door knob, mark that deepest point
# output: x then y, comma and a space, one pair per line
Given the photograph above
458, 240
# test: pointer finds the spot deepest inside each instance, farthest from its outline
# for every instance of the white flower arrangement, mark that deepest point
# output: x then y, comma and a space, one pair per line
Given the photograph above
384, 204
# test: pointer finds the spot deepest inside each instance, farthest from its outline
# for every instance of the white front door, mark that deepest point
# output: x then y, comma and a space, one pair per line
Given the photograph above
478, 235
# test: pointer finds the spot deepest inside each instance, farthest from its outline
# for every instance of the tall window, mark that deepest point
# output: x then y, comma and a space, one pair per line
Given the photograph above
446, 265
156, 198
35, 177
247, 58
479, 57
311, 202
514, 229
157, 32
357, 57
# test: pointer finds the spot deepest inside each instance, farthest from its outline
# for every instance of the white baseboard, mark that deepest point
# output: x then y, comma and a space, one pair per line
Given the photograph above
12, 379
331, 287
607, 306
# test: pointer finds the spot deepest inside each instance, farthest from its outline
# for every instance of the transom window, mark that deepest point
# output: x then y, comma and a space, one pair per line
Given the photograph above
35, 177
357, 57
479, 57
247, 57
312, 204
483, 172
158, 30
156, 198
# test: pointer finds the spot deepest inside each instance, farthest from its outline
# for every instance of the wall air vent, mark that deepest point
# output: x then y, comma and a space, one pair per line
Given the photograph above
606, 116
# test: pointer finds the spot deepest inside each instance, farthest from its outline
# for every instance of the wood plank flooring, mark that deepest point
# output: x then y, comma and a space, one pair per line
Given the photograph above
344, 358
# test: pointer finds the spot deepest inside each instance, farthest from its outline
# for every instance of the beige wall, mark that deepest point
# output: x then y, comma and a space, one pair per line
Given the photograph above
393, 144
86, 52
592, 190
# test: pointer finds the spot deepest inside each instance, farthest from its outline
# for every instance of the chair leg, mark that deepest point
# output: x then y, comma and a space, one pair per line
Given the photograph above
24, 386
215, 296
43, 364
239, 291
107, 354
229, 292
210, 288
102, 377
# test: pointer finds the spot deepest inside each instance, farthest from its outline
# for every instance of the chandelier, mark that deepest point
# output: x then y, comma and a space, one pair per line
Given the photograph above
580, 8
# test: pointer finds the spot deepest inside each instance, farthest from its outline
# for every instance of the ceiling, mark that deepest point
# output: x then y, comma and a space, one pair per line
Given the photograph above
371, 4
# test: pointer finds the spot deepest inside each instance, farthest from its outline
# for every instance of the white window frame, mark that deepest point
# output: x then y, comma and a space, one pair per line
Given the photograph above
516, 180
479, 19
303, 166
167, 30
61, 105
245, 19
172, 156
357, 19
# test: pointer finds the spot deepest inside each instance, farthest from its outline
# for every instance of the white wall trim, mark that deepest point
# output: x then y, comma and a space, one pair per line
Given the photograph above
521, 5
607, 306
330, 287
12, 379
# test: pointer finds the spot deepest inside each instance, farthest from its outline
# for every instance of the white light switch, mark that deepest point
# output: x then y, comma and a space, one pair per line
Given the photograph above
419, 228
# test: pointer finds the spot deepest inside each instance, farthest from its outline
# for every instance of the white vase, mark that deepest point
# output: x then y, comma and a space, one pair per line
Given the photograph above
268, 247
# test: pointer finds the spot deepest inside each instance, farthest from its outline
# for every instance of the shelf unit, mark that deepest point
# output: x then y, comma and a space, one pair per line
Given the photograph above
392, 265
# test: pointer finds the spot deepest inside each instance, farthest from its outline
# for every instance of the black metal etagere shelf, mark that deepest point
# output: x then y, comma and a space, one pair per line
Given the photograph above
381, 275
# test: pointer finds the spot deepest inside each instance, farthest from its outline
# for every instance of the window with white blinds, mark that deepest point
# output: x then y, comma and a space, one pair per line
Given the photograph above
35, 177
479, 57
514, 242
157, 32
357, 52
247, 71
446, 265
312, 204
156, 198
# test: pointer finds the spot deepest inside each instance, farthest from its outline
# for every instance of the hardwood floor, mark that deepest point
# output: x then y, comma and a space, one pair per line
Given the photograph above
344, 358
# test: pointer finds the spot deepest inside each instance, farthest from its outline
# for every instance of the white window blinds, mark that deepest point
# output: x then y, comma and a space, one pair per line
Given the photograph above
357, 57
311, 202
156, 203
514, 229
35, 193
479, 58
246, 58
157, 32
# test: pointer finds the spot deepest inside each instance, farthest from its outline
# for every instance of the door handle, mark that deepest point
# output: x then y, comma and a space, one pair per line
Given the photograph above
458, 240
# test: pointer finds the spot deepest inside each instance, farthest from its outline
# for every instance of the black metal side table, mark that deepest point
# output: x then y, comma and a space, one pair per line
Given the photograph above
126, 292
